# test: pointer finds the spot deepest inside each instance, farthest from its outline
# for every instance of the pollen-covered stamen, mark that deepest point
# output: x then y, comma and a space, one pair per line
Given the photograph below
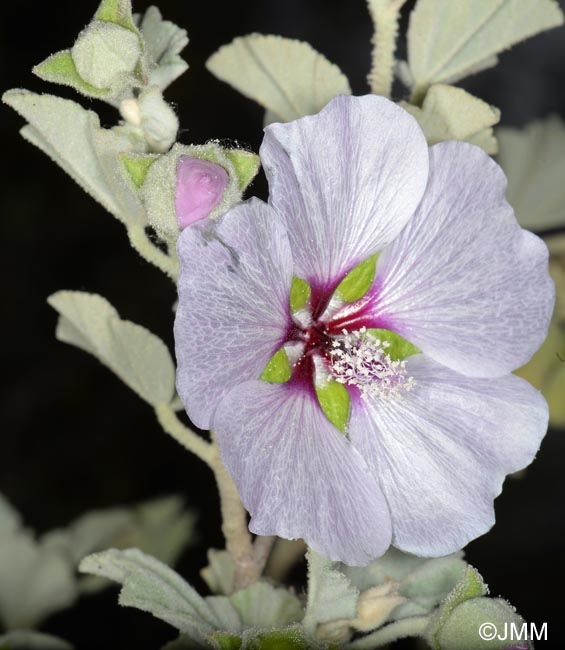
361, 359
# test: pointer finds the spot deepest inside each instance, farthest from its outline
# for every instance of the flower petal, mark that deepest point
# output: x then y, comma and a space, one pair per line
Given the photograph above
442, 453
233, 310
298, 475
463, 281
345, 182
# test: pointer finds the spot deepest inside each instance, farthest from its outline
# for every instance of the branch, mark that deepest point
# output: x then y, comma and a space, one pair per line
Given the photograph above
385, 15
234, 524
186, 437
142, 244
401, 629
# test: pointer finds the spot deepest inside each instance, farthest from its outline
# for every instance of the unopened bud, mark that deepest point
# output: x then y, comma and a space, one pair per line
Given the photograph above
200, 187
105, 54
375, 606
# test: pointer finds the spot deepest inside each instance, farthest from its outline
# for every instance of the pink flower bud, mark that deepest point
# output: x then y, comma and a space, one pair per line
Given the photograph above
200, 187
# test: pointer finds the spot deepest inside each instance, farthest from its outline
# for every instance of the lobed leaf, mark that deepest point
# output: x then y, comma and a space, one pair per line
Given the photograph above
72, 137
287, 77
164, 41
139, 358
450, 113
151, 586
331, 595
31, 640
533, 160
450, 40
37, 580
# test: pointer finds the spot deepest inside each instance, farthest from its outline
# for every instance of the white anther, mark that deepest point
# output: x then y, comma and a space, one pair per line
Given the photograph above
360, 359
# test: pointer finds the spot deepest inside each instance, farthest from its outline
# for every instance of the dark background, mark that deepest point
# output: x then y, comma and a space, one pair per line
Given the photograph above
73, 437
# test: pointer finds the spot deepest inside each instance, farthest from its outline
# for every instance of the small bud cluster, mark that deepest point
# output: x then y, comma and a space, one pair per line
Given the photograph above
361, 359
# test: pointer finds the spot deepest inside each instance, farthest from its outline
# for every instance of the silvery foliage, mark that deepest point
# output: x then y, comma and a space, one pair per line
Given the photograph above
533, 161
128, 61
39, 574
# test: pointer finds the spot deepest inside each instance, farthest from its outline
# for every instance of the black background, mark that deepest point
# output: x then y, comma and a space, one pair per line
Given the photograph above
73, 437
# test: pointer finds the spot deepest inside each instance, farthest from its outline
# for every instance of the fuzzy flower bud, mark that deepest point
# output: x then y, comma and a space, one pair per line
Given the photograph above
105, 54
191, 182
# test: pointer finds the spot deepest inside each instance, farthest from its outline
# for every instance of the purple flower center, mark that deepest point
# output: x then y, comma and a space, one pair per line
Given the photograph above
358, 359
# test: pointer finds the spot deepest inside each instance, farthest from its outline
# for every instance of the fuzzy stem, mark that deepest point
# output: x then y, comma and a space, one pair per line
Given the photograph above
284, 557
385, 15
401, 629
186, 437
262, 548
234, 525
249, 558
140, 241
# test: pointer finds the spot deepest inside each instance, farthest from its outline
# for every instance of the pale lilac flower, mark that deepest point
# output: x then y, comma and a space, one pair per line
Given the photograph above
429, 441
199, 189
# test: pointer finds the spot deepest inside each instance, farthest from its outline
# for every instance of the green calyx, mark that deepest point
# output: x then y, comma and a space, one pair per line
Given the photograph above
137, 166
118, 12
278, 369
60, 68
246, 165
398, 348
358, 281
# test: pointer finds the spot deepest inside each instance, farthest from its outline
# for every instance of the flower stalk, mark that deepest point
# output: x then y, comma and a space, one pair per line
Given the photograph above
142, 244
249, 558
385, 15
190, 440
248, 563
401, 629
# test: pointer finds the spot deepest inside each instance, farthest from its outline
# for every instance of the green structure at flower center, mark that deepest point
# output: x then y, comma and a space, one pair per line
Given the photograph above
340, 364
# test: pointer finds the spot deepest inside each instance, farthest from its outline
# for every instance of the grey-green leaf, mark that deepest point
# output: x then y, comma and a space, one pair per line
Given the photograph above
71, 137
219, 575
331, 595
37, 580
139, 358
262, 605
533, 160
450, 113
164, 41
151, 586
31, 640
450, 40
285, 76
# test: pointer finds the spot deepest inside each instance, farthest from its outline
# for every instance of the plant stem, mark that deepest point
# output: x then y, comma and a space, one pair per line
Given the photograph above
186, 437
262, 547
414, 626
140, 241
284, 557
234, 525
249, 558
385, 15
